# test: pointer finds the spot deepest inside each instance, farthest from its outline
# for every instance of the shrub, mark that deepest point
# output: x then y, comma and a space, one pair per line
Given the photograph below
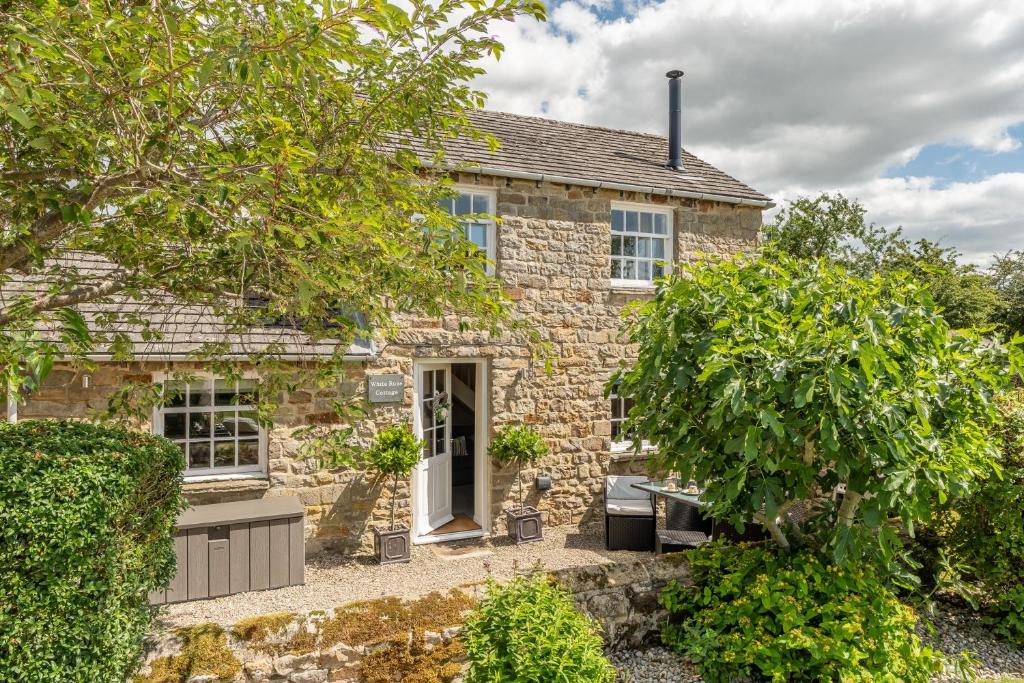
988, 527
518, 445
393, 454
792, 617
529, 631
88, 513
776, 380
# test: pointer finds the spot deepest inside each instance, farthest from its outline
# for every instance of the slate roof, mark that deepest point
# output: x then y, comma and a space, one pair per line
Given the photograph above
184, 329
570, 150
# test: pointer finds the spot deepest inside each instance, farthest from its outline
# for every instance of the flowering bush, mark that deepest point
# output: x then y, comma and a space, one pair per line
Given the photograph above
792, 617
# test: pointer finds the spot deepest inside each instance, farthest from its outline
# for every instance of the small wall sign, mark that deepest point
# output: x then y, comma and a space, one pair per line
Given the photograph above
385, 388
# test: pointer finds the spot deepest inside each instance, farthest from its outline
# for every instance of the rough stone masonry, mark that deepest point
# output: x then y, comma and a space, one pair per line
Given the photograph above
553, 255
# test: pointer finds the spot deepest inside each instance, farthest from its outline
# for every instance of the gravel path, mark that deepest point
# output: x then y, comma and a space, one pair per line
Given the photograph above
333, 580
957, 630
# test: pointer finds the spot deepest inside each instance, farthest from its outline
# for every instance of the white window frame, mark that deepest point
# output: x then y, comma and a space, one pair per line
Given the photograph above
668, 237
257, 471
489, 224
619, 444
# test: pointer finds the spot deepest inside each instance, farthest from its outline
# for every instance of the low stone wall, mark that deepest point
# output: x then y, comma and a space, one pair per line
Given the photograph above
623, 597
390, 639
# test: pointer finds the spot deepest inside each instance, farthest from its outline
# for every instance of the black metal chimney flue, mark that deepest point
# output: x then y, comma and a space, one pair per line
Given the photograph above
675, 119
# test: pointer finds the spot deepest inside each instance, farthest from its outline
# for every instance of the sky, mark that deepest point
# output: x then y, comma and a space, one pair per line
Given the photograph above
914, 108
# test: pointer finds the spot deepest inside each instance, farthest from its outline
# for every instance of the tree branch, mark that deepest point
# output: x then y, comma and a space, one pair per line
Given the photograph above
851, 499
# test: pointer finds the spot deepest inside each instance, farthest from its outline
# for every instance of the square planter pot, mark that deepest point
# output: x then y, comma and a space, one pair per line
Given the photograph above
391, 547
524, 526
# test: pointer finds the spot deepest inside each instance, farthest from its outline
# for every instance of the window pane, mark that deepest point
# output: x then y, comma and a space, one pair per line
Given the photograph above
658, 248
199, 394
645, 222
247, 393
616, 268
198, 425
616, 409
224, 454
447, 204
428, 384
477, 234
659, 270
616, 245
439, 441
174, 393
174, 426
643, 245
224, 393
618, 220
428, 441
643, 270
439, 380
199, 455
629, 246
629, 270
660, 224
631, 221
249, 452
463, 204
480, 203
243, 425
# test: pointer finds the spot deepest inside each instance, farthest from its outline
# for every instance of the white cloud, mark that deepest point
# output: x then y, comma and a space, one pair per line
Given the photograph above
797, 94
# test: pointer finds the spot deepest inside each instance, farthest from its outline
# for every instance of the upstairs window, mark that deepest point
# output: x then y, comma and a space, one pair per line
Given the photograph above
479, 231
641, 244
214, 423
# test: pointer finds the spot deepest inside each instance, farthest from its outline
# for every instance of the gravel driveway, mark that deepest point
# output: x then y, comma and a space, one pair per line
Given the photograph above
334, 580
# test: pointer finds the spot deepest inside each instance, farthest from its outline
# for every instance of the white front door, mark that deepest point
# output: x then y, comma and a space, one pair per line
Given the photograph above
434, 471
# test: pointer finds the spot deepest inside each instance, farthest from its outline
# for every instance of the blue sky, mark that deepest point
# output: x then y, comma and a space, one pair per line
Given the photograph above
915, 107
963, 163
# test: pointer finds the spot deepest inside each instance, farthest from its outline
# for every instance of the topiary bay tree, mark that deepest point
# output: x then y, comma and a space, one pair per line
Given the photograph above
777, 380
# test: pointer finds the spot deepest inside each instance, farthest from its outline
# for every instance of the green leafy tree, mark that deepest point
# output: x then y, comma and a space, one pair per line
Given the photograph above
966, 296
394, 453
777, 380
833, 227
1007, 273
228, 152
517, 445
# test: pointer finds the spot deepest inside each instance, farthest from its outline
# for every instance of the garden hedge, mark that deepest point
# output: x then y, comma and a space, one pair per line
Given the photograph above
88, 514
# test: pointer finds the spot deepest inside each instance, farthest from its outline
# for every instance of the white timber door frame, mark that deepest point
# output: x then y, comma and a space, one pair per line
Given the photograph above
481, 472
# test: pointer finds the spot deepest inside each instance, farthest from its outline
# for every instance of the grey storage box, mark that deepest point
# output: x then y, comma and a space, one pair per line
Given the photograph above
236, 547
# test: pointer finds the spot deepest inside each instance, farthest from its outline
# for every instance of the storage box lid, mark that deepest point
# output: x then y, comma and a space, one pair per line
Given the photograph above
240, 512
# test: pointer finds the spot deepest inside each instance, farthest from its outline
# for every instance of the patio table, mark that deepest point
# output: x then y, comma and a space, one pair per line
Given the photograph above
682, 509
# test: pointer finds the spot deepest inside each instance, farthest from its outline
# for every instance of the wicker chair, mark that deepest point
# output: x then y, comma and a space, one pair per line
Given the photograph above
628, 515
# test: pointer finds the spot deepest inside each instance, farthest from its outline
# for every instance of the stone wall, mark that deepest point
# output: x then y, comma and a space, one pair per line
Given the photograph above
621, 597
553, 252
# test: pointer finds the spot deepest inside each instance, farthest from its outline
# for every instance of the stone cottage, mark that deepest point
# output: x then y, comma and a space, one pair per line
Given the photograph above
587, 219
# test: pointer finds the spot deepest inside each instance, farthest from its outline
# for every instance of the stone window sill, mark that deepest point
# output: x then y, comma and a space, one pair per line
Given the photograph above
224, 484
625, 453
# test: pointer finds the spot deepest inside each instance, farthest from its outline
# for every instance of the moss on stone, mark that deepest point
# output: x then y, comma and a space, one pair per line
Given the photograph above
376, 621
204, 651
413, 663
257, 631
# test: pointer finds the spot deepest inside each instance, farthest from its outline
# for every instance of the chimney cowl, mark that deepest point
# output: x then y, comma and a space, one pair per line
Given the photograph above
675, 119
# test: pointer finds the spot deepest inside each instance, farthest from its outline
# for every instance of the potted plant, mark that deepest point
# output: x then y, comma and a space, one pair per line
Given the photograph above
519, 445
394, 453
